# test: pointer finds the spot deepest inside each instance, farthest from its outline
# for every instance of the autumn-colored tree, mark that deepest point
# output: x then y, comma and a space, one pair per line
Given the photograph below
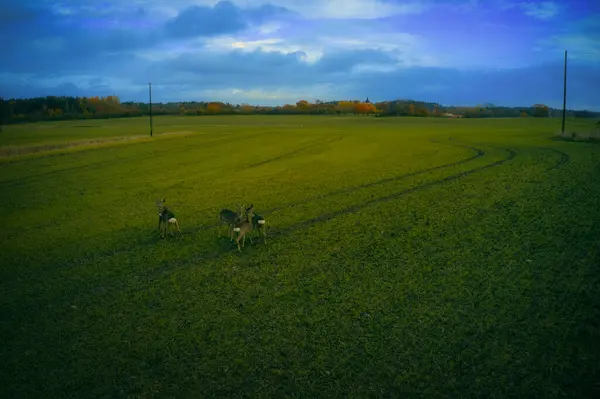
213, 108
303, 105
345, 107
364, 108
246, 109
112, 100
524, 114
411, 109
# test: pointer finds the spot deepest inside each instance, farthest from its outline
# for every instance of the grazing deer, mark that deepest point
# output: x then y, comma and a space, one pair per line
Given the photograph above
244, 227
258, 223
231, 218
166, 218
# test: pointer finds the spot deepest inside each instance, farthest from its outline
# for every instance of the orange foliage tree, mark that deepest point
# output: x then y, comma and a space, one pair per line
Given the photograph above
364, 108
213, 108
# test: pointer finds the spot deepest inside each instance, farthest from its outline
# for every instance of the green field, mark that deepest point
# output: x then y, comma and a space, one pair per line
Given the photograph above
405, 257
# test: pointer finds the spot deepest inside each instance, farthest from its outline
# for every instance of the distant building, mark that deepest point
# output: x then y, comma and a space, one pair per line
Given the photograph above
367, 101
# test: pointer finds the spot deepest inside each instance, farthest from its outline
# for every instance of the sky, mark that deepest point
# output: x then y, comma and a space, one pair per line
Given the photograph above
454, 52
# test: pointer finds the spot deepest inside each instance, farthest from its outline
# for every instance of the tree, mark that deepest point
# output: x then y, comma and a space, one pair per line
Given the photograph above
303, 105
213, 108
422, 111
3, 109
364, 108
540, 110
345, 107
246, 109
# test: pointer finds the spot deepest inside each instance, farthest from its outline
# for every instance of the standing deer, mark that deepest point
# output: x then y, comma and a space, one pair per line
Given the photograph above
258, 223
166, 218
231, 218
244, 227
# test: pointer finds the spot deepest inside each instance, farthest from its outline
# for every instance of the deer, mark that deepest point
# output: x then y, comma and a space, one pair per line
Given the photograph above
244, 228
166, 218
231, 218
258, 223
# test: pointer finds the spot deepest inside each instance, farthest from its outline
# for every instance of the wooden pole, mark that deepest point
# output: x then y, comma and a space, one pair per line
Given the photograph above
564, 95
150, 106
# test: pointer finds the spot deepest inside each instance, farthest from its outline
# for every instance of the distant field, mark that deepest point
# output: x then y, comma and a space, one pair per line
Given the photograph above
425, 257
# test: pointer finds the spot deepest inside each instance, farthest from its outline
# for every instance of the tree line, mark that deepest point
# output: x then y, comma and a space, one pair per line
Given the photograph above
68, 108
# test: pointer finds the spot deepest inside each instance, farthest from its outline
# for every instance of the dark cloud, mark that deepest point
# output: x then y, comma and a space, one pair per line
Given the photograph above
38, 39
224, 17
195, 21
260, 68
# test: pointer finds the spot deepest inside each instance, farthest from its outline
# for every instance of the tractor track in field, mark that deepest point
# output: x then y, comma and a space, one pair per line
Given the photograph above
153, 241
167, 266
355, 208
292, 153
157, 155
114, 285
348, 190
331, 215
170, 266
564, 158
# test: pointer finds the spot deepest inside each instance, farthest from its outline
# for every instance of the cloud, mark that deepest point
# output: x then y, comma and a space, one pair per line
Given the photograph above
276, 51
581, 38
359, 9
319, 9
540, 10
274, 78
194, 21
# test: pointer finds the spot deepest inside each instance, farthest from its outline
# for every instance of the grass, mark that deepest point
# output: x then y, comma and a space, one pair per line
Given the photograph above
405, 257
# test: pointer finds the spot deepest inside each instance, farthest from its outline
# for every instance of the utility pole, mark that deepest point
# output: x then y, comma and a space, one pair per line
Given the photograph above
564, 95
150, 106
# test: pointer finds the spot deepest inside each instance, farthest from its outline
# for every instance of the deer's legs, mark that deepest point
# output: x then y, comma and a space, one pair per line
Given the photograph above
178, 229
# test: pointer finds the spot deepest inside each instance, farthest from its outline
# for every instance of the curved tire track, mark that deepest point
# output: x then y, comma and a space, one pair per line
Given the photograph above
348, 190
292, 153
149, 242
564, 158
166, 266
375, 201
171, 266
